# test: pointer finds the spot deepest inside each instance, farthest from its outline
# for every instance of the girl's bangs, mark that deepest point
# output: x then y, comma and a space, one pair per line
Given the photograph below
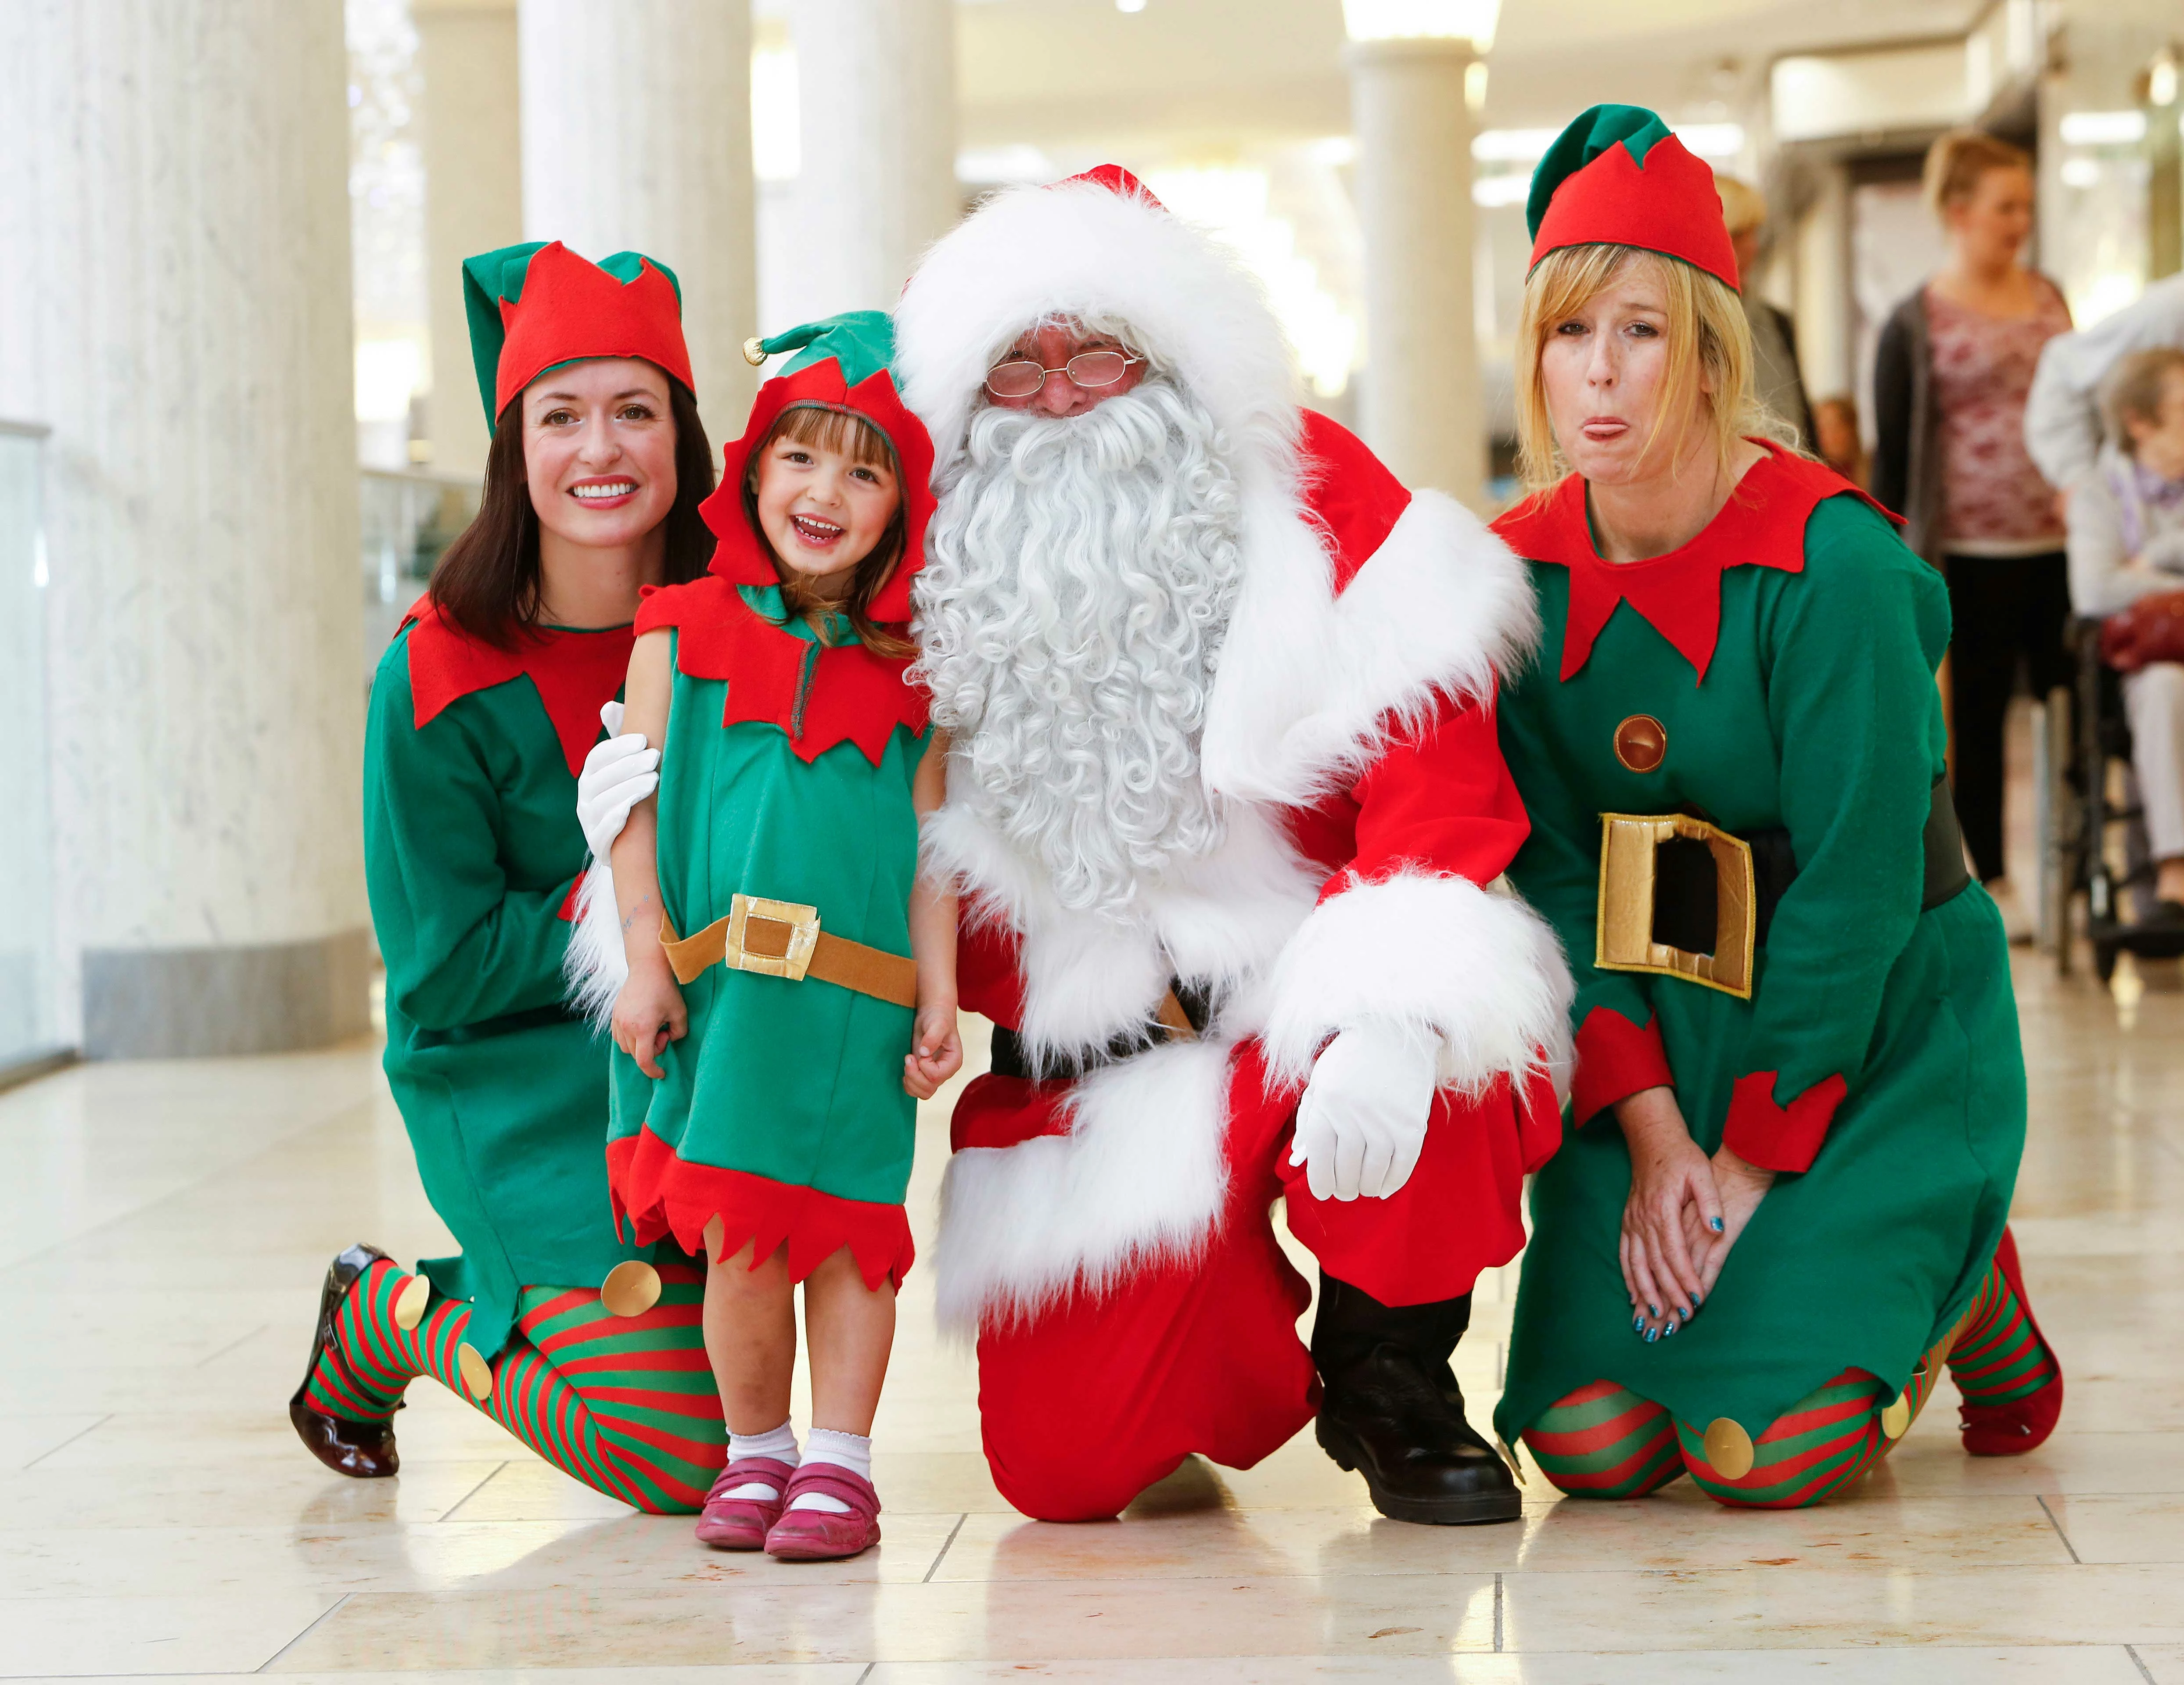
841, 431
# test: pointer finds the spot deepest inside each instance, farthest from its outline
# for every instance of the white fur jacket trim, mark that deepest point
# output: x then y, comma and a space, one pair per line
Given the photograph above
595, 965
1139, 1181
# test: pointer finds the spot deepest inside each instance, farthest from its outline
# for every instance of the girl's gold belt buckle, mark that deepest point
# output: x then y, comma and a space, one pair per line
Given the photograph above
773, 938
1626, 933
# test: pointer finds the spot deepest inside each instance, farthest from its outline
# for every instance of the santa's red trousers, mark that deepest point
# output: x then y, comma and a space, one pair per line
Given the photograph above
1091, 1401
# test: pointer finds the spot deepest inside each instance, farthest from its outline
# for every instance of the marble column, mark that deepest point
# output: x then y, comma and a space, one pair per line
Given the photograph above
473, 146
1422, 408
174, 302
637, 136
877, 130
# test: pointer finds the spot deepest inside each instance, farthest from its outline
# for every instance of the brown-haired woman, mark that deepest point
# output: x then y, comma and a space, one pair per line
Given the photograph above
1954, 366
482, 712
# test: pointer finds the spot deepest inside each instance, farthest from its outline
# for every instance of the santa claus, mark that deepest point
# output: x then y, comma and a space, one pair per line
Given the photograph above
1228, 811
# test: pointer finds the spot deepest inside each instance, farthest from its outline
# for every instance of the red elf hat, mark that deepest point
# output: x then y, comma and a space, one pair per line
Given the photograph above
538, 305
842, 363
1616, 176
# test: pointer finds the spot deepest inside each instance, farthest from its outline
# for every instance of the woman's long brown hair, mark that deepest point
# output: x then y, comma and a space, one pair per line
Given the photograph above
487, 581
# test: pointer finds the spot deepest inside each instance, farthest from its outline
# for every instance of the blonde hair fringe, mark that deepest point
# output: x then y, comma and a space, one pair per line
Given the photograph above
1709, 346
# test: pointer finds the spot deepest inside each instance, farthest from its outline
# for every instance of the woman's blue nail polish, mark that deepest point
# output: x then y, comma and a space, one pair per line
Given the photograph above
1671, 1328
1651, 1335
1714, 1223
1637, 1324
1654, 1308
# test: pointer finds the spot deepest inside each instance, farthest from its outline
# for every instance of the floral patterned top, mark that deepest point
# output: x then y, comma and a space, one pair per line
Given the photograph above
1993, 501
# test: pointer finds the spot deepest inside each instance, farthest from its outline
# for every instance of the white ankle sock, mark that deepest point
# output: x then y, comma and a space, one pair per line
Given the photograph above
778, 1443
850, 1451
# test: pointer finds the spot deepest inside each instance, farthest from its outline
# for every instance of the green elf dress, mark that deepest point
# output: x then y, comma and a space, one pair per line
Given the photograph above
785, 792
586, 1346
1733, 756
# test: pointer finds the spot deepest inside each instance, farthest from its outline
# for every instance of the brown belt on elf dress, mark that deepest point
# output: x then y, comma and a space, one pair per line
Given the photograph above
783, 939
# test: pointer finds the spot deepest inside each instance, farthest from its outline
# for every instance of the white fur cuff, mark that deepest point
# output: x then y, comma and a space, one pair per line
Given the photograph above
1139, 1180
1479, 971
595, 965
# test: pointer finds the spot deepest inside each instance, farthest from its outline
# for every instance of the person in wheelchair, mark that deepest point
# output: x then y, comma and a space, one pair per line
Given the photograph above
2126, 546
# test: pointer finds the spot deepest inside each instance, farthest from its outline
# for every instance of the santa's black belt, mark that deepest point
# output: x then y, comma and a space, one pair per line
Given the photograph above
1682, 897
1182, 1015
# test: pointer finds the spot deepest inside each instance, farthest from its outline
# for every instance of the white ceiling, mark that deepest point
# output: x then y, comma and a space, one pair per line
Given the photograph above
1204, 74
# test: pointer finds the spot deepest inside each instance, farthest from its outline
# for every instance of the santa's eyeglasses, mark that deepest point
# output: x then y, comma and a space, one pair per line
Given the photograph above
1022, 376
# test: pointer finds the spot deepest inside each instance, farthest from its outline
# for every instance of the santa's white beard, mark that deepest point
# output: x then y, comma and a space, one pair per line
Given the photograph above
1079, 580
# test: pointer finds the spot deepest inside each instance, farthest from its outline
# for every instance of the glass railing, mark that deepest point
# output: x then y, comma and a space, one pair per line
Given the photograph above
406, 519
28, 965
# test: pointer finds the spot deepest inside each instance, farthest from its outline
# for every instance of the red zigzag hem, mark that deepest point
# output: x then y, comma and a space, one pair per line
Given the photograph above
661, 1195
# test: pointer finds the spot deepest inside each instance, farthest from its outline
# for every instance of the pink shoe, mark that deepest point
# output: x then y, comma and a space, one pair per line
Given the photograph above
741, 1523
816, 1535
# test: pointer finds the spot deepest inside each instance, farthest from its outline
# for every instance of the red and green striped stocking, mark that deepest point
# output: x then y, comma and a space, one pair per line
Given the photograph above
1811, 1451
1998, 1355
1604, 1441
625, 1403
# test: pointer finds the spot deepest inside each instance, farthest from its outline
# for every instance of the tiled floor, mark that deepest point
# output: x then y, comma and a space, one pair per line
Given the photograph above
163, 1228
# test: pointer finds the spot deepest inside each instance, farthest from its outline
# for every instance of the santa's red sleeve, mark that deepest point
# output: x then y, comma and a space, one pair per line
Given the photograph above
1415, 928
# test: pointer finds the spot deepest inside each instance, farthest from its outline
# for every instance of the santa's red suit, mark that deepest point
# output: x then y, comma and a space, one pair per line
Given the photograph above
1110, 1237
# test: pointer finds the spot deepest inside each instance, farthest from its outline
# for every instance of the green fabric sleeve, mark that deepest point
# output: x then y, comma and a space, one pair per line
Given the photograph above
1853, 704
461, 945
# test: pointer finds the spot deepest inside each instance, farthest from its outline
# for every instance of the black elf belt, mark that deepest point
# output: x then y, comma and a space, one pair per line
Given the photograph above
1682, 897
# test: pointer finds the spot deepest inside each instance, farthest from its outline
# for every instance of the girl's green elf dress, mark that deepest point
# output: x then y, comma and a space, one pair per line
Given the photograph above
1773, 678
786, 777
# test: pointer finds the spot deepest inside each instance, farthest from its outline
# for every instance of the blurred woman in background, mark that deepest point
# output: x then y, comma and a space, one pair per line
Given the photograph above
1954, 365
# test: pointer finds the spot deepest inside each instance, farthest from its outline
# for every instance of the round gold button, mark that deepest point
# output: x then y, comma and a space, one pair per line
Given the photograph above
632, 1288
1728, 1448
478, 1373
1641, 742
411, 1303
1896, 1418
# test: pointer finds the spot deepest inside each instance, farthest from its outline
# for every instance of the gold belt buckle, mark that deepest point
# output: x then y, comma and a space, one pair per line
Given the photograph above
1624, 937
775, 954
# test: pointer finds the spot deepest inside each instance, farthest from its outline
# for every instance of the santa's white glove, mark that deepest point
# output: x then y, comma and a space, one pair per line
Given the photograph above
1361, 1122
618, 774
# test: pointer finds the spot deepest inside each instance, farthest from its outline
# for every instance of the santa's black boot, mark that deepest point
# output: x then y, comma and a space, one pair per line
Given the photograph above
1392, 1412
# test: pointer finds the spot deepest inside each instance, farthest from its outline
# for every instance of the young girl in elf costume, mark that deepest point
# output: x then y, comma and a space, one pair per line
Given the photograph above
584, 1347
780, 952
1799, 1100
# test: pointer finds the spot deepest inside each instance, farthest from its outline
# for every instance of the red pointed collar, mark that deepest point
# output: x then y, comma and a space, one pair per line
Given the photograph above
575, 673
851, 696
1678, 594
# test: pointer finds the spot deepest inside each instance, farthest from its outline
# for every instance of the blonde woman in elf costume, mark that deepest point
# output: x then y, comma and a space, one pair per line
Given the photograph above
585, 1348
779, 955
1799, 1101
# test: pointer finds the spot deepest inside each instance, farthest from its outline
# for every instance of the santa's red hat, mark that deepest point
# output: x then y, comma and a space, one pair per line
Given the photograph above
1100, 248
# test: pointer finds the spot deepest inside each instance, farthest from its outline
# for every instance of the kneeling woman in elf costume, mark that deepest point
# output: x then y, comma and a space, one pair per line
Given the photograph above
587, 1349
1799, 1100
779, 950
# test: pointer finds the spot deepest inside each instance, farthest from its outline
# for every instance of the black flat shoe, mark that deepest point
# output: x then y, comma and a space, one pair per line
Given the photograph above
2163, 918
364, 1450
1421, 1459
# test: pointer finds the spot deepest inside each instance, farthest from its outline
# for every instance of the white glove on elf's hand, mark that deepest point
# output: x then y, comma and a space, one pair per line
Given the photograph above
618, 774
1361, 1122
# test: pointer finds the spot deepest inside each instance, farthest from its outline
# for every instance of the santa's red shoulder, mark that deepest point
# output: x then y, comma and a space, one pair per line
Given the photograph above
1470, 599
